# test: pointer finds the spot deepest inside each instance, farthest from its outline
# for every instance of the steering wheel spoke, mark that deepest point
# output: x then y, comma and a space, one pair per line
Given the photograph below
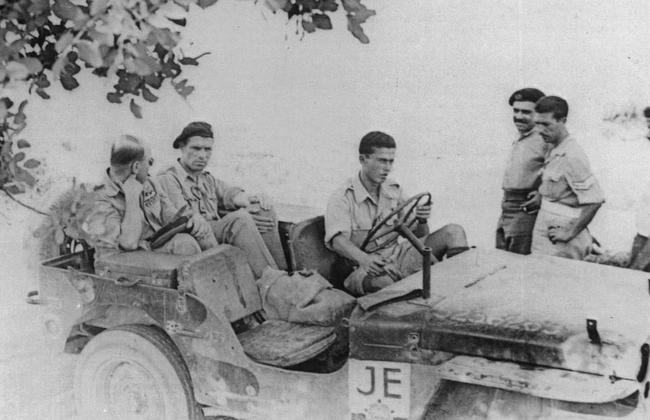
377, 232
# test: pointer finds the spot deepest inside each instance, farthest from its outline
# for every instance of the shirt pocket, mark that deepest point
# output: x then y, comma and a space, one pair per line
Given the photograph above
554, 186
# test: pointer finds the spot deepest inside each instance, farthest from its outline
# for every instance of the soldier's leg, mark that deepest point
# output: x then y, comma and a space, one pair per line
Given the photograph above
181, 244
501, 234
238, 228
272, 239
449, 240
501, 239
520, 244
360, 283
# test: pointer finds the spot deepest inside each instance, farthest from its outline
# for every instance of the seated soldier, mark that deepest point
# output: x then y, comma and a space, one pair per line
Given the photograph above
367, 198
249, 225
130, 207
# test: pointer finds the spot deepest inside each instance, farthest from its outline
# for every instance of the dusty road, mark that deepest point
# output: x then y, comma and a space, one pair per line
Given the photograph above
35, 380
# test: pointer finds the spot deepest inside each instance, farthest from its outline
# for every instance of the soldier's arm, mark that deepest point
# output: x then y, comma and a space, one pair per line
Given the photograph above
422, 213
587, 189
373, 264
587, 213
132, 226
338, 228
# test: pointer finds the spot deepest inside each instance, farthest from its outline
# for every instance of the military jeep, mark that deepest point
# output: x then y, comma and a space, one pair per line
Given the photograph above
491, 335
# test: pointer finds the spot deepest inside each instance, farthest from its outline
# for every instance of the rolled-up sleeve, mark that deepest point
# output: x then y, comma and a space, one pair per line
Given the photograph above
338, 219
583, 182
103, 225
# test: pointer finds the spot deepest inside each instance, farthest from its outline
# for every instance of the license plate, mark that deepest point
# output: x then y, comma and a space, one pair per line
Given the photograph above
379, 390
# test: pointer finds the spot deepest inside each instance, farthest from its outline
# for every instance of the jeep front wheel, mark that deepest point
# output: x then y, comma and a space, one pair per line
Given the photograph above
133, 372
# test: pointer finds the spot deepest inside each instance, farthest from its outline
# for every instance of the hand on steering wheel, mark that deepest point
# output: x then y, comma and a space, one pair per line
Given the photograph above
413, 202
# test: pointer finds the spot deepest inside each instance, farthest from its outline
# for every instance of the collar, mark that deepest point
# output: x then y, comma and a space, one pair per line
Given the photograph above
361, 193
180, 169
526, 134
563, 147
111, 188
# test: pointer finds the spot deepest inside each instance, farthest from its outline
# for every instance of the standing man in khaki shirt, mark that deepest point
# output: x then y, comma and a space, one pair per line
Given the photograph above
367, 198
522, 176
570, 193
187, 183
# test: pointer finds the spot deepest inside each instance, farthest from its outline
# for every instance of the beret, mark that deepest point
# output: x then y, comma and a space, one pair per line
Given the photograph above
526, 95
646, 112
196, 128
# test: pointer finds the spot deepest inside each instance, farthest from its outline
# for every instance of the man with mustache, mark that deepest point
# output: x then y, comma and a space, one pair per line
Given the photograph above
249, 222
367, 198
130, 207
570, 193
522, 176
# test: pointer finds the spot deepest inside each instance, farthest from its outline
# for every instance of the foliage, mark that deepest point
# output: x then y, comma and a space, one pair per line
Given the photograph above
65, 219
313, 14
134, 42
14, 167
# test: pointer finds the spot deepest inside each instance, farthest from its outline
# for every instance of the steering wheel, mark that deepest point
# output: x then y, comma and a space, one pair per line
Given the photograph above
413, 202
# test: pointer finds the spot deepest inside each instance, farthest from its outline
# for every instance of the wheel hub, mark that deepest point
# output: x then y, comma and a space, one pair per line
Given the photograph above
132, 393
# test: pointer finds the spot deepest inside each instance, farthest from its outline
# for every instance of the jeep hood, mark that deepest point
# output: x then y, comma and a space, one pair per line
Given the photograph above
502, 306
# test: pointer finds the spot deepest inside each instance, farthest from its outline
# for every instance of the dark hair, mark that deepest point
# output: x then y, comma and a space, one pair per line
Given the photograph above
526, 95
126, 150
196, 128
646, 112
554, 104
375, 140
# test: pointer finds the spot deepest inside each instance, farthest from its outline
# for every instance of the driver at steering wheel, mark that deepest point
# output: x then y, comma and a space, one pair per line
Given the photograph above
366, 199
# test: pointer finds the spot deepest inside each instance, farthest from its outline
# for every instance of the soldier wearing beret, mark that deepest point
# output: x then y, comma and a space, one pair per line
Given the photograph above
236, 217
522, 176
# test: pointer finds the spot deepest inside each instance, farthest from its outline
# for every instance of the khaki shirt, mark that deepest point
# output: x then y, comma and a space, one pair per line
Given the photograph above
103, 225
205, 194
352, 212
567, 178
525, 162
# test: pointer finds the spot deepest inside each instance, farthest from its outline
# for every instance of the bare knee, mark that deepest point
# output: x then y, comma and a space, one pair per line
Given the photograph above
455, 234
184, 244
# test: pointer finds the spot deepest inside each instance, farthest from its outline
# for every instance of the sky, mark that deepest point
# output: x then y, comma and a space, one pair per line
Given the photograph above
289, 110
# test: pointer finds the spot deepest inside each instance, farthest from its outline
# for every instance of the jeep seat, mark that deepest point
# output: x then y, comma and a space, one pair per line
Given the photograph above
223, 280
307, 251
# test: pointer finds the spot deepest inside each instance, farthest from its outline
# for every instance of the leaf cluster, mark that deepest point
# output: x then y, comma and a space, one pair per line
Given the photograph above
314, 14
132, 41
13, 166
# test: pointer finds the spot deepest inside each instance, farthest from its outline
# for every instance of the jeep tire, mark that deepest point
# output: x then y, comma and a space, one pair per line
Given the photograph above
135, 372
